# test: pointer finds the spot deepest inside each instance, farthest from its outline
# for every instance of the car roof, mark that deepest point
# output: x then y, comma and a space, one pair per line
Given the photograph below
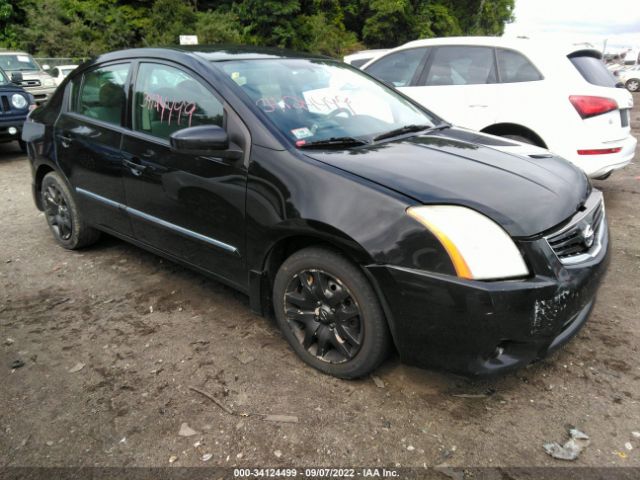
211, 53
13, 52
533, 45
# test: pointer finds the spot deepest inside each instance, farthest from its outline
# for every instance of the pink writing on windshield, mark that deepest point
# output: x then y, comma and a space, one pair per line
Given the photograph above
176, 109
287, 102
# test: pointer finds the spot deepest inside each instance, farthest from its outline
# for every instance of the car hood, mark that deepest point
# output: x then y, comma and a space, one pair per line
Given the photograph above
526, 195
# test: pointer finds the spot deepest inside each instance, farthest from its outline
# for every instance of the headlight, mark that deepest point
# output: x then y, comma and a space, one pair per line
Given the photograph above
18, 101
478, 247
49, 82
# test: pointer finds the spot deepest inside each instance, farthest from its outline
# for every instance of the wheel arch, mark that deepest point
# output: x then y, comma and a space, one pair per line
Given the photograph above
318, 234
506, 128
40, 172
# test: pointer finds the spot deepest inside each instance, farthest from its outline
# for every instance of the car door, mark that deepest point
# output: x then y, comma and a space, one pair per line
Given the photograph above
459, 84
190, 206
88, 135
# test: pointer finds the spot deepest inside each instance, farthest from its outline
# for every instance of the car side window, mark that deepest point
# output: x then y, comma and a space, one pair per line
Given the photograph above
168, 99
515, 67
462, 65
102, 93
398, 68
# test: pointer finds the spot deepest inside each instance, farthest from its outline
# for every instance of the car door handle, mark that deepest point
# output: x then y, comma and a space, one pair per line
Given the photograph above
135, 166
65, 139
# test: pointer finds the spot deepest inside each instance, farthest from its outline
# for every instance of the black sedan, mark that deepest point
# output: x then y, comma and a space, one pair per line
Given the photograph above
359, 218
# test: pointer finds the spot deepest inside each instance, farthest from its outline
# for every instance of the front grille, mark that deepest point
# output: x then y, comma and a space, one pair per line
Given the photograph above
6, 106
581, 235
30, 83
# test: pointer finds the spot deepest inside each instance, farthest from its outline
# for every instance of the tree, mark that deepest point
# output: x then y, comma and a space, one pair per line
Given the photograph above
331, 27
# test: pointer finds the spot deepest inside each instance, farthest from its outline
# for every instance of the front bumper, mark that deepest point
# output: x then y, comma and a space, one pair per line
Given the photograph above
483, 328
41, 94
7, 123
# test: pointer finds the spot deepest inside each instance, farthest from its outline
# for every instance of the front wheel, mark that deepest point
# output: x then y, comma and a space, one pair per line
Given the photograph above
65, 221
330, 314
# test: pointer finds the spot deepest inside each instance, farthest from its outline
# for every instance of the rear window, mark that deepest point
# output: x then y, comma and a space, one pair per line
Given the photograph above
593, 70
358, 63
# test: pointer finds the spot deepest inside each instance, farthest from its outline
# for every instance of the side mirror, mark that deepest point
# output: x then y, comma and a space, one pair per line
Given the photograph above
45, 67
16, 77
201, 140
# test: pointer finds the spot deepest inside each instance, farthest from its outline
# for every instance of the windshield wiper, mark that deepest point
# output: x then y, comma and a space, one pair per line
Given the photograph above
401, 130
334, 142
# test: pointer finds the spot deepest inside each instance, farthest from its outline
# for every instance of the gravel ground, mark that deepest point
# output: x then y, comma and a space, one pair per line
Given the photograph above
113, 338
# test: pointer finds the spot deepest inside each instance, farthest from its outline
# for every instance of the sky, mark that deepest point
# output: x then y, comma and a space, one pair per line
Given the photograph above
617, 21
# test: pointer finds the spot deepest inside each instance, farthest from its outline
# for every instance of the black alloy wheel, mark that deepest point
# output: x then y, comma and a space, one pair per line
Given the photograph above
68, 226
329, 313
324, 316
57, 212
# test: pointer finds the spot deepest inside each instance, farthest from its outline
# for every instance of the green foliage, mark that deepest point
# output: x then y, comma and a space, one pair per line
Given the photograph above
331, 27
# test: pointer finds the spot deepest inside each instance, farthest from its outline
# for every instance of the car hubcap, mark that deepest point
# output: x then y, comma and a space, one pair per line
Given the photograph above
324, 316
633, 86
57, 212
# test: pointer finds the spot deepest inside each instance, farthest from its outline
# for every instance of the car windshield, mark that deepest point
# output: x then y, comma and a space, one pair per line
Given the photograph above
18, 62
320, 100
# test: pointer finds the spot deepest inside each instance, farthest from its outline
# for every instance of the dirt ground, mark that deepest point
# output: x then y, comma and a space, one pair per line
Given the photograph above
146, 330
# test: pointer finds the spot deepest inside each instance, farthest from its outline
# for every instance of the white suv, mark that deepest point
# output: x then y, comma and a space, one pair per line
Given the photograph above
560, 98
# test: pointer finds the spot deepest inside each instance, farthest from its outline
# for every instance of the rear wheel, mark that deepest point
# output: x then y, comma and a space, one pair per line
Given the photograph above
519, 138
605, 176
65, 221
633, 84
329, 313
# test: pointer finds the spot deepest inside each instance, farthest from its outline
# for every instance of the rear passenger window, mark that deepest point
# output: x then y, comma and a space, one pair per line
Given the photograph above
462, 65
102, 93
515, 67
398, 68
168, 99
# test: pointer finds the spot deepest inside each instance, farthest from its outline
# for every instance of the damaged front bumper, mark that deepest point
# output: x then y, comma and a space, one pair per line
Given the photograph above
483, 328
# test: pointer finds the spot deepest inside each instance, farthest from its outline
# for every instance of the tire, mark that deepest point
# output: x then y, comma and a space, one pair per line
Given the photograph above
66, 223
633, 84
320, 323
605, 176
519, 138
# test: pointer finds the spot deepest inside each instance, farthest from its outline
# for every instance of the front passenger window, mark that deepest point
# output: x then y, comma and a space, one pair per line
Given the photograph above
168, 99
102, 93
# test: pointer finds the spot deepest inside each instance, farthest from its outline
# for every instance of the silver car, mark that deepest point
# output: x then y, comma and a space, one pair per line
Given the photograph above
23, 70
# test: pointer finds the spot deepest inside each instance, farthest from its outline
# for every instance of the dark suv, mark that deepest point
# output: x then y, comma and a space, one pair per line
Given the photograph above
15, 103
355, 214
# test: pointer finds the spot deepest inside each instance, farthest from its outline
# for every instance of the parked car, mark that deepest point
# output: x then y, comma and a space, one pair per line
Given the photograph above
356, 215
358, 59
60, 72
631, 78
24, 70
15, 104
563, 99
